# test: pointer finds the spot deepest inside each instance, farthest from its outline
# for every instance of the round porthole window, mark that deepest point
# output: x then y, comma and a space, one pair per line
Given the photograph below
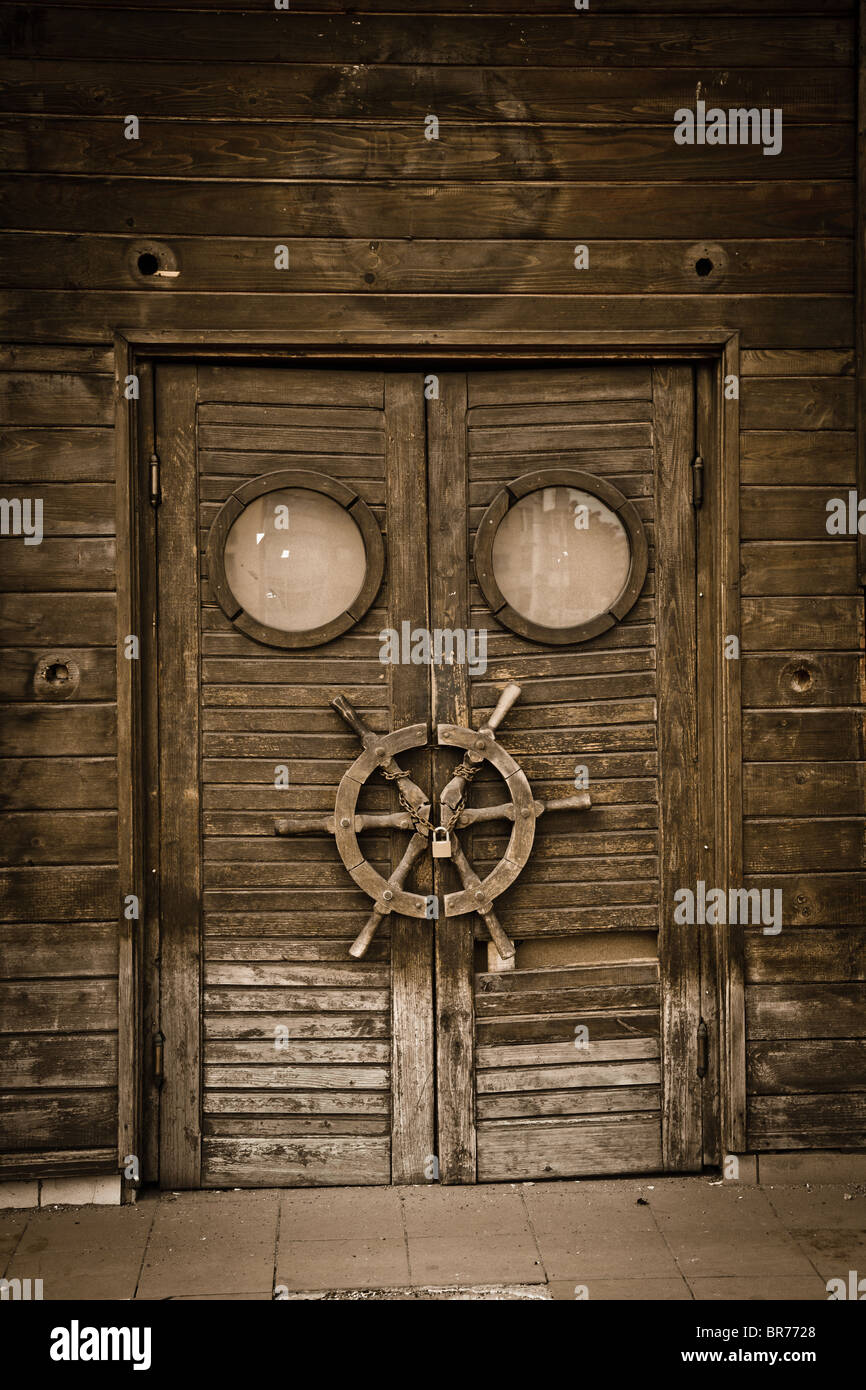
295, 558
560, 555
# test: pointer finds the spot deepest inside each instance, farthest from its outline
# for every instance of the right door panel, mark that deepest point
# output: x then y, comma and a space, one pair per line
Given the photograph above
586, 1051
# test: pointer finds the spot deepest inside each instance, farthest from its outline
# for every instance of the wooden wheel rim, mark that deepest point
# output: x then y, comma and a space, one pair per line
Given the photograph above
485, 746
353, 779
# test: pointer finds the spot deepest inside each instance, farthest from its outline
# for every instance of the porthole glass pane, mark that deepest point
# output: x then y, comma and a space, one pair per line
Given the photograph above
295, 559
561, 556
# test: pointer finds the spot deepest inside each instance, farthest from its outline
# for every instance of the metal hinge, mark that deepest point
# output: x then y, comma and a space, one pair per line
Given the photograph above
158, 1059
697, 481
155, 487
703, 1049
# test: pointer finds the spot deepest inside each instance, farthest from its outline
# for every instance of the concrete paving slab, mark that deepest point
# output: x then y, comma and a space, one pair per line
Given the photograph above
84, 1252
670, 1289
834, 1252
466, 1212
337, 1213
764, 1254
342, 1264
783, 1289
495, 1258
204, 1246
12, 1225
558, 1207
810, 1208
455, 1293
586, 1255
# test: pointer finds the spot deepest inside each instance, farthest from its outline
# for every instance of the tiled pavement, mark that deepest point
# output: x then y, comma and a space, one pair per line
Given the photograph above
664, 1238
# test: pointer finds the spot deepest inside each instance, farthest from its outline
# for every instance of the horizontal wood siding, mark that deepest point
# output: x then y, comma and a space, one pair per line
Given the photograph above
58, 817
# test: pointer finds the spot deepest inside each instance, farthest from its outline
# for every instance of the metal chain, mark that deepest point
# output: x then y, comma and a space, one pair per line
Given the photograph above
421, 823
466, 770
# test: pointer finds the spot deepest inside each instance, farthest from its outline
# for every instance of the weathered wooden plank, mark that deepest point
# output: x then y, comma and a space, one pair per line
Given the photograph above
55, 837
806, 955
341, 1161
556, 1078
778, 624
56, 1162
179, 778
246, 1052
817, 362
447, 464
822, 789
808, 568
72, 564
69, 1060
784, 513
395, 266
58, 783
768, 320
58, 1006
805, 1011
622, 7
807, 1066
279, 1077
89, 730
305, 1000
81, 1119
804, 678
349, 973
39, 619
785, 846
666, 41
753, 207
309, 1025
562, 1054
56, 398
517, 982
557, 1029
576, 1000
803, 403
95, 667
74, 455
679, 969
803, 1122
275, 91
58, 949
58, 894
832, 900
790, 456
834, 735
290, 1127
594, 1101
509, 1149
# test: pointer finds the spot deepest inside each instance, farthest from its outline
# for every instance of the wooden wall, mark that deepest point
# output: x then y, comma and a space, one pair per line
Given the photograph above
307, 128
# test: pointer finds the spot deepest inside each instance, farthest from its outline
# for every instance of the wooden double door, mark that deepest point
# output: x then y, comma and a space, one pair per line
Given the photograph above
286, 1061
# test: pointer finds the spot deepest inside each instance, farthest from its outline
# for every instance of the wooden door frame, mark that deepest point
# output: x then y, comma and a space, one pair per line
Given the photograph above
716, 353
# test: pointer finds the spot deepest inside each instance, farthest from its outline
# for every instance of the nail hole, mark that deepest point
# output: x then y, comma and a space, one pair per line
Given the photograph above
703, 266
148, 263
801, 678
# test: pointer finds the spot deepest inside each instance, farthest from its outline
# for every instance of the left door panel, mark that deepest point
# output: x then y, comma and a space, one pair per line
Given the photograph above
280, 1059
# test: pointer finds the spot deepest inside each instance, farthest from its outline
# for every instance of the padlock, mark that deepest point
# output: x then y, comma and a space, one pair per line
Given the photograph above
441, 842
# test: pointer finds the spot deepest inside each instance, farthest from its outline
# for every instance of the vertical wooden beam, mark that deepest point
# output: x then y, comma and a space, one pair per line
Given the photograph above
724, 519
679, 954
149, 763
129, 781
860, 273
412, 1054
449, 608
180, 853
